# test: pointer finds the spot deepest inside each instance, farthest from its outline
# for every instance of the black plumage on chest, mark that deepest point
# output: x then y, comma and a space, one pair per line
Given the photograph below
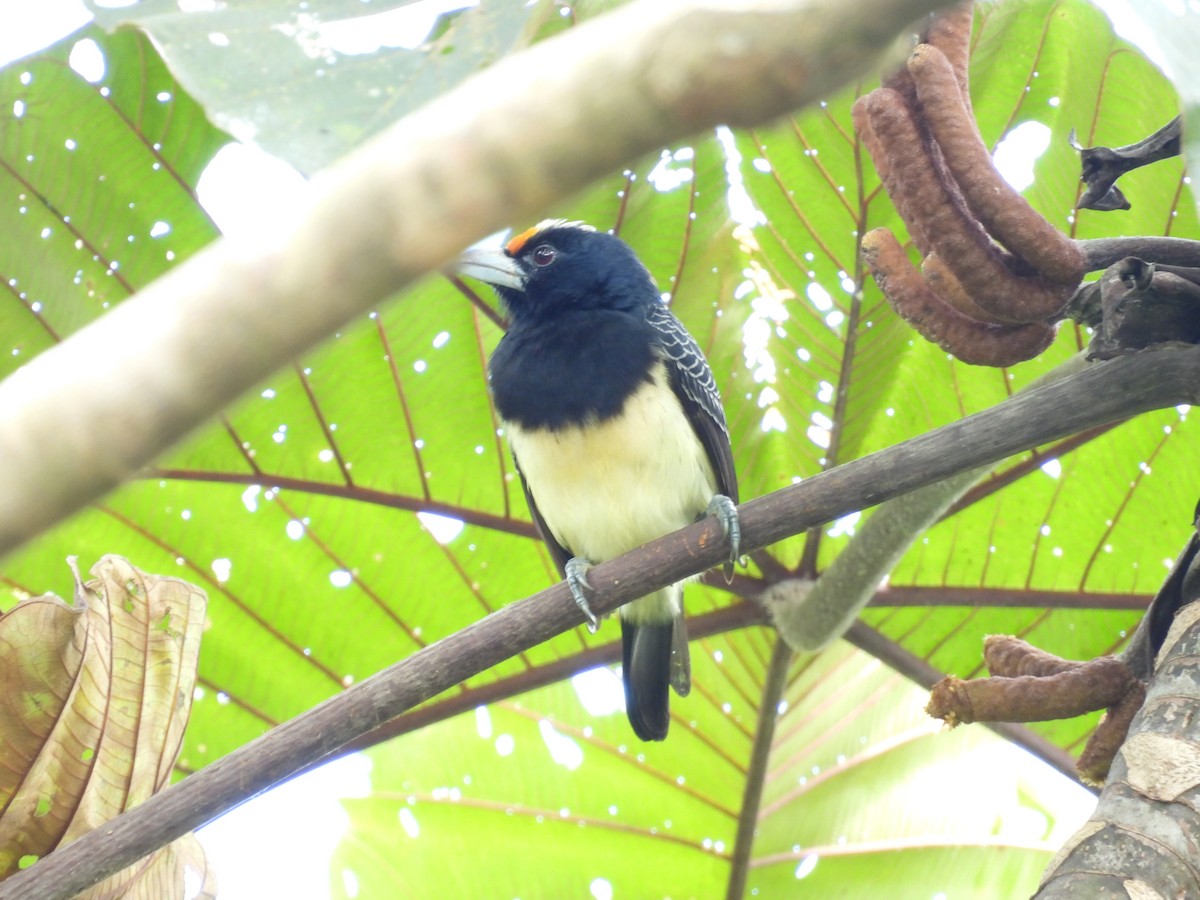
571, 369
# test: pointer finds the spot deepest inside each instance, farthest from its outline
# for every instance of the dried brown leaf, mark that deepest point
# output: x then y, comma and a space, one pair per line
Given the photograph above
94, 699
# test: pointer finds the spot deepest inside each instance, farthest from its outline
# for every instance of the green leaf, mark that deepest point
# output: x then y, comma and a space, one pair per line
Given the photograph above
305, 511
306, 81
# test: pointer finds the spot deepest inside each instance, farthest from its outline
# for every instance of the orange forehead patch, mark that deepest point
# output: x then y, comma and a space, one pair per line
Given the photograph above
517, 244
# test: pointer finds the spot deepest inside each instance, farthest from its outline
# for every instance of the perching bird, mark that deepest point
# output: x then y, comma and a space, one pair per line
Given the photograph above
615, 425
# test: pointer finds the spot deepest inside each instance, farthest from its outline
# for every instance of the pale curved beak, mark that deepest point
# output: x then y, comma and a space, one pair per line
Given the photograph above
493, 266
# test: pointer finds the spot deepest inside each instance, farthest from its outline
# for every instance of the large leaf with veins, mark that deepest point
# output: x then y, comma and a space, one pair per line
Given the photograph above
360, 504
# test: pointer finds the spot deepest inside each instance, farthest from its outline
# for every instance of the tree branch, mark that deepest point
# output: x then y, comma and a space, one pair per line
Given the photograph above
756, 772
1103, 392
815, 618
87, 414
1141, 839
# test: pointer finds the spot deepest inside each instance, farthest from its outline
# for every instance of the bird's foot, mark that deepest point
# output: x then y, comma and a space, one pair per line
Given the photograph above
577, 568
725, 512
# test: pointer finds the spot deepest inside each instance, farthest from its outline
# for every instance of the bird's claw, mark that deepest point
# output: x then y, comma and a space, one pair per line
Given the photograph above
577, 568
725, 512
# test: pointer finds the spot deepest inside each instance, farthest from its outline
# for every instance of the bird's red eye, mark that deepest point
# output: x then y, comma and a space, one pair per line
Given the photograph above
543, 255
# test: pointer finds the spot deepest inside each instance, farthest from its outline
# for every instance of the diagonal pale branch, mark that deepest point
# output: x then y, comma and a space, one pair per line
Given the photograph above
824, 612
1104, 392
496, 150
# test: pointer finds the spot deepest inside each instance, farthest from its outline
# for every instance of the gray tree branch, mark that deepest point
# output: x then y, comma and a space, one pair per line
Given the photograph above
1141, 839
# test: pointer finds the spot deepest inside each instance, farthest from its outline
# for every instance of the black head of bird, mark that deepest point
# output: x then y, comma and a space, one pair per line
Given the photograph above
560, 267
615, 425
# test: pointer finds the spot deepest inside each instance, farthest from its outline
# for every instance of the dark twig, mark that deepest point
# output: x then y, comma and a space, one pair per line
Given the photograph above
756, 772
1030, 685
1102, 166
1103, 252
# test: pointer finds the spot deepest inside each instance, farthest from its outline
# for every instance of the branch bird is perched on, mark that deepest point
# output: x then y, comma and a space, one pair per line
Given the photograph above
616, 429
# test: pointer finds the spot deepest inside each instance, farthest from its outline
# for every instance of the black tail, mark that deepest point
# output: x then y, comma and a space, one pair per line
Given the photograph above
646, 669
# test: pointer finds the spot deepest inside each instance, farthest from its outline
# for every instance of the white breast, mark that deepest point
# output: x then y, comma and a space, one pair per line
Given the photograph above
615, 485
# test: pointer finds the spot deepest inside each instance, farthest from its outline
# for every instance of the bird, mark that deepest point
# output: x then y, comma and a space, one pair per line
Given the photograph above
616, 429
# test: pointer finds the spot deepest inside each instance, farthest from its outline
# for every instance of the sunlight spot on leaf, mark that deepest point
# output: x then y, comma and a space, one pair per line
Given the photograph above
825, 393
160, 228
1057, 551
18, 108
835, 318
563, 749
198, 694
819, 297
1182, 409
741, 206
222, 698
441, 339
1045, 530
819, 432
70, 144
1167, 563
222, 568
419, 366
349, 877
667, 177
505, 745
767, 397
325, 455
186, 515
295, 529
250, 193
844, 525
483, 722
1016, 154
280, 434
807, 863
443, 528
409, 822
26, 78
87, 59
773, 420
340, 578
217, 39
407, 27
599, 691
1052, 467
